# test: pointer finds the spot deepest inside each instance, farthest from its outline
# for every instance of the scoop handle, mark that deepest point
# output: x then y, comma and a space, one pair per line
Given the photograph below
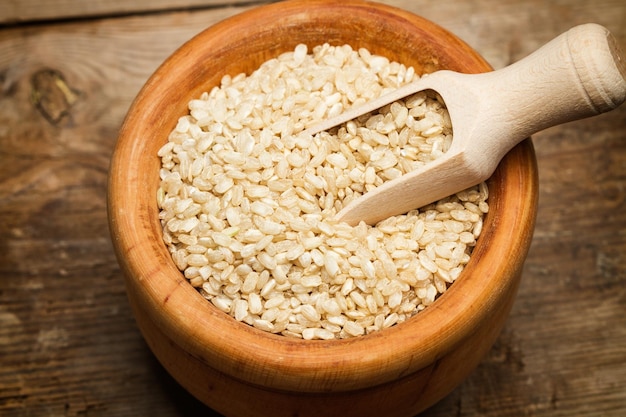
580, 73
599, 64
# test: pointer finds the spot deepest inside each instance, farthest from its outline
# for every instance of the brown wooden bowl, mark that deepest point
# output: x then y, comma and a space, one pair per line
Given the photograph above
240, 371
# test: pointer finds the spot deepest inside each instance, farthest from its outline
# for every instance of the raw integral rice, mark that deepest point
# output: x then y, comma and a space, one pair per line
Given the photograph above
247, 204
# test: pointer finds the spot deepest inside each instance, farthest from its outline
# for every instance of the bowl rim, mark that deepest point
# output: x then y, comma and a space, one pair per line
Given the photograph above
160, 291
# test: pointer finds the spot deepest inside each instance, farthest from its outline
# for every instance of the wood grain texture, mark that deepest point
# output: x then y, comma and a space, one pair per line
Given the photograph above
68, 342
27, 11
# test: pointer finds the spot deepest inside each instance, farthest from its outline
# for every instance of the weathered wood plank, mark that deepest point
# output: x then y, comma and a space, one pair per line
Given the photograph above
20, 11
68, 343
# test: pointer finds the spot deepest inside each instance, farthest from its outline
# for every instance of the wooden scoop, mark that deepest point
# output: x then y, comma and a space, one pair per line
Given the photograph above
578, 74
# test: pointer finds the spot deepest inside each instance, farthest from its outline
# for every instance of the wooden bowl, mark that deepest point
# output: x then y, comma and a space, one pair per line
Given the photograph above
240, 371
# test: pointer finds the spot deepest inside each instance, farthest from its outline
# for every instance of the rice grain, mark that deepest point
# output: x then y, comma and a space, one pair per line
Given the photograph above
247, 204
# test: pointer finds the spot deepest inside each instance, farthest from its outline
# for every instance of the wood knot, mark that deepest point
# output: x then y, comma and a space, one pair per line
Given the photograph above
51, 95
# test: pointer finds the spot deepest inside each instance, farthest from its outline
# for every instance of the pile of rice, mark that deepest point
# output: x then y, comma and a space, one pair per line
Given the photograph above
247, 204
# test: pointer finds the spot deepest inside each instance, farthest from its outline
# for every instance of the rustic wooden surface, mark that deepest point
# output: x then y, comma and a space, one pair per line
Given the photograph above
68, 343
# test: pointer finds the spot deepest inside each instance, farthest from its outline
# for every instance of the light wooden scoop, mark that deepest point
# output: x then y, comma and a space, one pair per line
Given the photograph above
578, 74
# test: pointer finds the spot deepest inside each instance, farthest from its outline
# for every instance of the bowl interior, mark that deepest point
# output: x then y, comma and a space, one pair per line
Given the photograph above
157, 288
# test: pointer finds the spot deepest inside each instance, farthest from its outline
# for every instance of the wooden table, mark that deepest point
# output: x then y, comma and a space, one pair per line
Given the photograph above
69, 70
